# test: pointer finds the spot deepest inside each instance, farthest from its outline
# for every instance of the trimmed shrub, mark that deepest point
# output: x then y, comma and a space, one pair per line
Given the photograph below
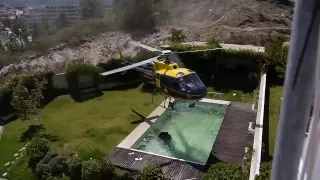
75, 69
74, 166
151, 172
225, 171
37, 149
91, 170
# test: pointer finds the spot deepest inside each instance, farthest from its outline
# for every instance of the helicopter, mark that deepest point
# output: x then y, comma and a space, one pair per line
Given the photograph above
164, 71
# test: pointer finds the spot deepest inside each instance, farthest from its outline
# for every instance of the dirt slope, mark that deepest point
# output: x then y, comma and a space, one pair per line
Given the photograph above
228, 19
231, 21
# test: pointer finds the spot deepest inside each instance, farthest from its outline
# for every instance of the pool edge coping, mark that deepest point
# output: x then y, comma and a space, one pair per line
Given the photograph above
134, 136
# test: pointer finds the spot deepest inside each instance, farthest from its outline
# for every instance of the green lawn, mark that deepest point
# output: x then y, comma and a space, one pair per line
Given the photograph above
92, 128
274, 115
233, 95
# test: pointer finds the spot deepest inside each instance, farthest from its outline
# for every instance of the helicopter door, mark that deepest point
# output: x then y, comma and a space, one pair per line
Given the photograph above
158, 81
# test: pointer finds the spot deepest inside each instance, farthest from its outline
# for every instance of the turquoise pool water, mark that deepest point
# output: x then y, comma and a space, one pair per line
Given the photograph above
193, 131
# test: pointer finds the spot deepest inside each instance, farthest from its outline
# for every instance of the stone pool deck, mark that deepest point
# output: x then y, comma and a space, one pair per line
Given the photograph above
229, 145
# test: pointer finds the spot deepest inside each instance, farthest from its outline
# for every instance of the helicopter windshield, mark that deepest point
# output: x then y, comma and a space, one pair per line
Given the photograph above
192, 81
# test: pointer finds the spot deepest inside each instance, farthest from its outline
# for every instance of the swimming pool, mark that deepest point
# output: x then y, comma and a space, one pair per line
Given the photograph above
192, 131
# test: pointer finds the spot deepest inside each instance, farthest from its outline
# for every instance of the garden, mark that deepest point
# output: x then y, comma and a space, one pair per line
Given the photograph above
68, 136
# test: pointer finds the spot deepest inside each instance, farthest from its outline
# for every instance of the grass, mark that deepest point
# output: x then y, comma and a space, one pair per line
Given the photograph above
274, 115
92, 128
232, 95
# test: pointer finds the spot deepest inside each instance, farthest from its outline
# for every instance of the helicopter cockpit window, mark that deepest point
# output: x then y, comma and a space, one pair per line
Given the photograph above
192, 80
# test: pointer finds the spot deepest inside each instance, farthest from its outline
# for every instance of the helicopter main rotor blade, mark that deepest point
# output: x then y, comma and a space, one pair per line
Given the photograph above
145, 46
202, 50
130, 66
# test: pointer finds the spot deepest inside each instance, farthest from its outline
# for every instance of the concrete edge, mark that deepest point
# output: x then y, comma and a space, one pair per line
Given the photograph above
128, 142
257, 144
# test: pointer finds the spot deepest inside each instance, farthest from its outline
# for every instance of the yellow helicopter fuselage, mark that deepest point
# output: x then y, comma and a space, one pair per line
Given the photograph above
178, 82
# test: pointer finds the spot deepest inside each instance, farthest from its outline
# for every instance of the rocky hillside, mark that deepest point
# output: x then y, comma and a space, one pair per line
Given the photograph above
231, 21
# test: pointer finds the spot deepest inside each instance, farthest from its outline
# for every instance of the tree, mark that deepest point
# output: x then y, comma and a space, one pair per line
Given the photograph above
91, 8
135, 15
37, 96
28, 104
22, 101
61, 21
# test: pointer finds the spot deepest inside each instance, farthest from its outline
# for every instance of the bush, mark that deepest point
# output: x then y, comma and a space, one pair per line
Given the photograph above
213, 42
52, 164
62, 177
37, 149
177, 36
74, 70
265, 171
277, 56
128, 176
74, 166
91, 170
58, 165
47, 158
225, 171
151, 172
107, 169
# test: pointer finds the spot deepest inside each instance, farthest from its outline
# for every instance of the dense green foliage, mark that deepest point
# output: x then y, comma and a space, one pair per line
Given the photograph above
225, 171
151, 172
213, 42
277, 55
75, 166
91, 170
107, 169
26, 102
265, 171
75, 70
177, 36
36, 150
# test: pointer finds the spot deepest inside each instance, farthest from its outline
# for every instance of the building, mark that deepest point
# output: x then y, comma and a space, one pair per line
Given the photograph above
51, 13
70, 11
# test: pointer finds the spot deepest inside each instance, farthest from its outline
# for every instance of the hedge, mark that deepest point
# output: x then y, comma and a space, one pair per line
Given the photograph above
75, 69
